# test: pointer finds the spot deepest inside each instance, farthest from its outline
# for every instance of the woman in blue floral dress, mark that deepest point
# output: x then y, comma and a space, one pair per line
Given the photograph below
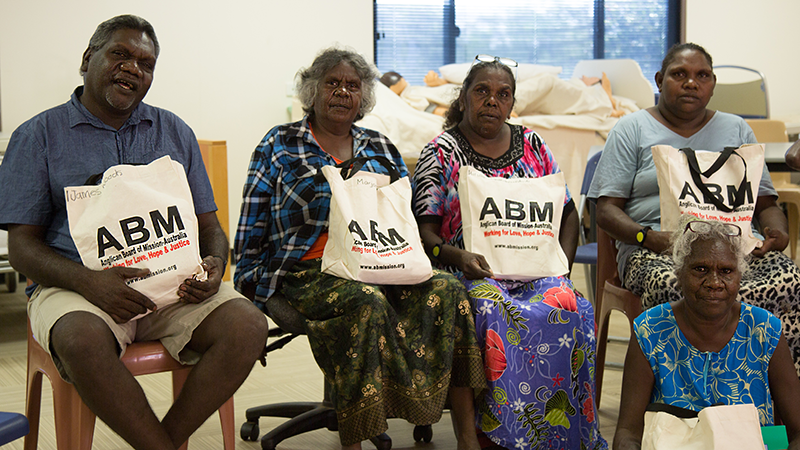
537, 336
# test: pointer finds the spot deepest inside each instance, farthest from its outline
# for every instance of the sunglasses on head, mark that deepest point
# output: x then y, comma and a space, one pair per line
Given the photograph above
489, 58
702, 227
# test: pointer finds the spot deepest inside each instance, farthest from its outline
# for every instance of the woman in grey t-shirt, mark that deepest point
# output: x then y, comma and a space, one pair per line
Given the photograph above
626, 190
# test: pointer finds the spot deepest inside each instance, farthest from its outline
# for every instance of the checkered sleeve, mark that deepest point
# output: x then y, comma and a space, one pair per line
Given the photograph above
251, 249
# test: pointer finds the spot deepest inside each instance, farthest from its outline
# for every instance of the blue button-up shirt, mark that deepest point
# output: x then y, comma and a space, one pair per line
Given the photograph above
66, 145
285, 207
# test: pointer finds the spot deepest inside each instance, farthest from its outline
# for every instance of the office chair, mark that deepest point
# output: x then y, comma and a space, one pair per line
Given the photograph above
12, 427
586, 252
303, 416
610, 296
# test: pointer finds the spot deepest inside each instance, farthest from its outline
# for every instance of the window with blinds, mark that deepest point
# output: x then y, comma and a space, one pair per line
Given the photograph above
415, 36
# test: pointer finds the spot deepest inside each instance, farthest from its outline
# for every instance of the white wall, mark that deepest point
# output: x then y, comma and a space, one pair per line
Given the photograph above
757, 34
224, 65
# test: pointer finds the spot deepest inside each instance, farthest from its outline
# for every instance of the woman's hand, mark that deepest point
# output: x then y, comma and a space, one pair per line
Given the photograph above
657, 241
773, 240
611, 217
473, 265
773, 225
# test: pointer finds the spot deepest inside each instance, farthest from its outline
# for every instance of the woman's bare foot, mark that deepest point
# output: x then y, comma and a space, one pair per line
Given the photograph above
433, 79
356, 446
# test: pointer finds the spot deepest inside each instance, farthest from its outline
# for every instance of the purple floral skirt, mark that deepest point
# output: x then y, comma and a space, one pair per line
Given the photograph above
538, 344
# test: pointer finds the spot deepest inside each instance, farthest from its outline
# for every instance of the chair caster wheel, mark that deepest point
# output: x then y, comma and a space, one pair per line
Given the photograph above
249, 431
423, 433
382, 441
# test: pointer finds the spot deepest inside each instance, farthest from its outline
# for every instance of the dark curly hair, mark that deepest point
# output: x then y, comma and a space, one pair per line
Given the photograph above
454, 114
672, 53
107, 29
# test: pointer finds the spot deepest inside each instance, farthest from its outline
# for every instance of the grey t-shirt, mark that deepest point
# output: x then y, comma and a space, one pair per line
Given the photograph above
626, 168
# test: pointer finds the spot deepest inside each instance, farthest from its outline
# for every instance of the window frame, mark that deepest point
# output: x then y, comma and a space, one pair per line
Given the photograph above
675, 28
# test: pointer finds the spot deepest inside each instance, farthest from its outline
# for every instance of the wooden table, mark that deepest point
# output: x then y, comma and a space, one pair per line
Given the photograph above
774, 153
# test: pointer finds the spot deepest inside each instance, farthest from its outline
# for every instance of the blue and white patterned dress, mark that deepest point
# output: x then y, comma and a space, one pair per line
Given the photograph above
692, 379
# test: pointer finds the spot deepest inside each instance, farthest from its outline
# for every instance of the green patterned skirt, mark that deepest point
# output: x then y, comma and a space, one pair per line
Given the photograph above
387, 351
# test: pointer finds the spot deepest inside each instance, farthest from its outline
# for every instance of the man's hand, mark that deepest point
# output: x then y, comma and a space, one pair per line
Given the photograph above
107, 289
773, 240
193, 291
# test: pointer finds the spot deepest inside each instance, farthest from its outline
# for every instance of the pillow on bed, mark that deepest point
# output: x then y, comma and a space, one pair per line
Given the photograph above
455, 73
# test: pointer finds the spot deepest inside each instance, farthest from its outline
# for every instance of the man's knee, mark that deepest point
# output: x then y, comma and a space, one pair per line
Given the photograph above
79, 334
239, 322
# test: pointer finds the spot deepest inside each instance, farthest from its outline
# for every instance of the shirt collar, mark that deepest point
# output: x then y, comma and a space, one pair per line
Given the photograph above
78, 114
302, 131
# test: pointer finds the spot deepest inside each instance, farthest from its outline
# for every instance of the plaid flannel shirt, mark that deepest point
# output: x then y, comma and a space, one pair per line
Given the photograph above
284, 210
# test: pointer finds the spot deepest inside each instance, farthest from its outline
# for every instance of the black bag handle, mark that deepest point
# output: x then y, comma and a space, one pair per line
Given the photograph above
677, 411
694, 169
93, 179
98, 177
353, 165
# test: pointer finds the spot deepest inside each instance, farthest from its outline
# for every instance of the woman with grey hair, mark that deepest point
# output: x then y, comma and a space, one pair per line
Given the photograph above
385, 351
708, 348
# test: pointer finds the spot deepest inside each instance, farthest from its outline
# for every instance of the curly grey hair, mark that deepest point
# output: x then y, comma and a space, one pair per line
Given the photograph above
682, 243
309, 79
106, 29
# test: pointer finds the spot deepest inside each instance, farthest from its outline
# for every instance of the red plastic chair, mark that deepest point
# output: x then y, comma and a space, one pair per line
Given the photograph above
74, 422
610, 296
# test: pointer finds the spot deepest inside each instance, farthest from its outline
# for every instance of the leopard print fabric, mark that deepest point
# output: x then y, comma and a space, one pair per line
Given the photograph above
771, 282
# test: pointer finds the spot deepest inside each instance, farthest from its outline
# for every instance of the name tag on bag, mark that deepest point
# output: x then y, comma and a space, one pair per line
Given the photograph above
372, 234
142, 217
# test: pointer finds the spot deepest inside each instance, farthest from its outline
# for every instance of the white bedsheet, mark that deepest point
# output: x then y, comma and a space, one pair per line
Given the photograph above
542, 101
409, 129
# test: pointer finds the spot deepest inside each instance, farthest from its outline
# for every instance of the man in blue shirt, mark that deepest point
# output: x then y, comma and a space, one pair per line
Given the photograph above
83, 317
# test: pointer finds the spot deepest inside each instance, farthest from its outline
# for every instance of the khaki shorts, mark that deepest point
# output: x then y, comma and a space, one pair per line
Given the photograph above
173, 325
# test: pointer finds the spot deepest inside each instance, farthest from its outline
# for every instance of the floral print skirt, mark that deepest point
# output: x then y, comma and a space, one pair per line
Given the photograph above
387, 351
538, 344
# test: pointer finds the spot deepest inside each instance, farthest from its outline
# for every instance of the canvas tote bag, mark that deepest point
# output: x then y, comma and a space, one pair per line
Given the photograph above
514, 223
139, 216
721, 186
721, 427
372, 234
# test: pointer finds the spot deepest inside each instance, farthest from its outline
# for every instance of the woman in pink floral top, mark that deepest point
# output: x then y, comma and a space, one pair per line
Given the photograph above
538, 335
